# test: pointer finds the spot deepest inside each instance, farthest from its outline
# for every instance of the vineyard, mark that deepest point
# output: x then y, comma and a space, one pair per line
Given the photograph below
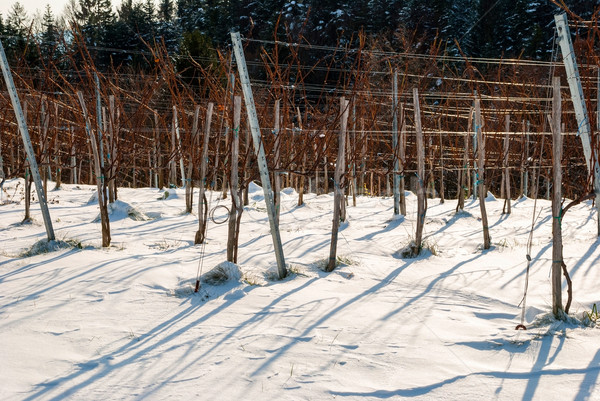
152, 120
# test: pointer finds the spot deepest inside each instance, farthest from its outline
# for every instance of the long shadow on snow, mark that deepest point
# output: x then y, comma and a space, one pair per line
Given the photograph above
423, 390
590, 380
430, 286
36, 294
533, 260
333, 312
392, 225
583, 258
30, 266
139, 348
256, 318
591, 373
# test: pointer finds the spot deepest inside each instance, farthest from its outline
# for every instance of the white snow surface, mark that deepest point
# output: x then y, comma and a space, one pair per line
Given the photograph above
123, 323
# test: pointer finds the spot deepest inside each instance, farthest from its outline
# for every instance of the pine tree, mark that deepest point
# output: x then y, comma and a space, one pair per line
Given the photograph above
49, 38
16, 34
167, 30
96, 22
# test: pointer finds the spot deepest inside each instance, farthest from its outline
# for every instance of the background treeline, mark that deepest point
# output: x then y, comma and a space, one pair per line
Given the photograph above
473, 28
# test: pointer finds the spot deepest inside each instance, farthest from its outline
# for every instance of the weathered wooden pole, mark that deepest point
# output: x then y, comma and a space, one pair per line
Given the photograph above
189, 186
557, 248
303, 176
481, 179
464, 172
236, 202
505, 170
277, 152
421, 196
178, 144
202, 204
14, 98
396, 162
260, 152
100, 181
526, 177
442, 187
338, 194
402, 160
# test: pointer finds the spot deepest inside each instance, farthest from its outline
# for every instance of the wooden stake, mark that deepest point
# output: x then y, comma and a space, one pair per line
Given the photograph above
481, 184
557, 251
421, 196
338, 194
100, 181
236, 203
202, 204
277, 172
505, 171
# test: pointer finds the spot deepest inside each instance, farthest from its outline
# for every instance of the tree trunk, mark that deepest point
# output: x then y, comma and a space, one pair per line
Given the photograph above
202, 206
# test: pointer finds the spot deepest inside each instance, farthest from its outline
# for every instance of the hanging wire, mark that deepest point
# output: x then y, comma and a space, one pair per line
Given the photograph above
523, 303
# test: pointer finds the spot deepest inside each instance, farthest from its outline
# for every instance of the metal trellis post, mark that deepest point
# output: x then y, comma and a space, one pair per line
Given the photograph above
583, 122
14, 98
259, 150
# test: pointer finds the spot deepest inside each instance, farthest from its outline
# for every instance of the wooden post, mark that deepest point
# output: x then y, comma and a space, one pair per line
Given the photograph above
45, 156
481, 185
100, 182
247, 165
202, 204
421, 196
236, 203
156, 153
442, 188
57, 159
557, 251
277, 151
178, 145
338, 195
189, 186
303, 176
260, 152
395, 160
74, 176
464, 172
505, 171
402, 161
526, 173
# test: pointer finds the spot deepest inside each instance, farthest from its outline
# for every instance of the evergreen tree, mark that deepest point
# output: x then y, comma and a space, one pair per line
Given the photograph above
16, 31
167, 30
457, 26
96, 21
49, 38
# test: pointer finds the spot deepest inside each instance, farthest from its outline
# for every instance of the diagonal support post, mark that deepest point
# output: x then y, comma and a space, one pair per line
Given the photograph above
33, 166
259, 150
581, 113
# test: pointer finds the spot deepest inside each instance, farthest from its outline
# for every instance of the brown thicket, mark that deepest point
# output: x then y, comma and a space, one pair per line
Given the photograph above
141, 148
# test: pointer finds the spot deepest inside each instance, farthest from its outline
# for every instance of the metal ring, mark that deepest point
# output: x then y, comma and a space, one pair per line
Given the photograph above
219, 221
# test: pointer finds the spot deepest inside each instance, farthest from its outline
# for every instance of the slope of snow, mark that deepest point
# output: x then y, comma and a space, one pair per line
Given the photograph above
81, 322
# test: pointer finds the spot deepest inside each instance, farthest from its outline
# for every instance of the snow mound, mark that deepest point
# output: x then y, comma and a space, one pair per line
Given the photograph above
490, 197
119, 210
93, 198
45, 246
170, 193
222, 273
255, 192
289, 192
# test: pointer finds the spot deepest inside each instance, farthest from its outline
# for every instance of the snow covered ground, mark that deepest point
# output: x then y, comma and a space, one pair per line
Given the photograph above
123, 323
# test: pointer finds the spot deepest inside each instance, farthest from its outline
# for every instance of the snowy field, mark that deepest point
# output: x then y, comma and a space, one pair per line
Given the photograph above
123, 323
